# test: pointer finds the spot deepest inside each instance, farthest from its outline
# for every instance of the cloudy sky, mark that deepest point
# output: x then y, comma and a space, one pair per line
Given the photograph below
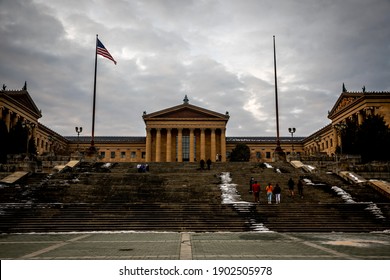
219, 53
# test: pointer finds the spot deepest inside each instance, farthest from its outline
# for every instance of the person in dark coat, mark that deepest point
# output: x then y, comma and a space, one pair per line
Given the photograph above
202, 164
208, 162
277, 192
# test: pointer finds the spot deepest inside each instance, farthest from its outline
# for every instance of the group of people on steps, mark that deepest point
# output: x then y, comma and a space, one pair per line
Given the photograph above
271, 191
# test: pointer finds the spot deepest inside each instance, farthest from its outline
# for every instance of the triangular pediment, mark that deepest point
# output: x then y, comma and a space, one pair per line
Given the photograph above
344, 101
23, 98
185, 111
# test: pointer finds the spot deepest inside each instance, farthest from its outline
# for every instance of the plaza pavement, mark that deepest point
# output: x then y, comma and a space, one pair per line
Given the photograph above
195, 246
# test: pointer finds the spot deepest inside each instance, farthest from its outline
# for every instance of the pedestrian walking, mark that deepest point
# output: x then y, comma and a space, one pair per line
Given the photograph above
256, 191
277, 192
269, 190
291, 185
300, 188
251, 182
202, 164
208, 162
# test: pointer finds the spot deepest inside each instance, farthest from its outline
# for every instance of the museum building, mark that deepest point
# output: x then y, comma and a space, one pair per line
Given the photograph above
188, 133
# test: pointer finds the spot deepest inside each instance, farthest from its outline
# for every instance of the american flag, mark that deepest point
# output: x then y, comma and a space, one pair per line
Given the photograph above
101, 50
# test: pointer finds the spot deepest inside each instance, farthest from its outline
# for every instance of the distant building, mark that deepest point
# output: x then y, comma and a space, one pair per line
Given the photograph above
189, 133
351, 106
17, 107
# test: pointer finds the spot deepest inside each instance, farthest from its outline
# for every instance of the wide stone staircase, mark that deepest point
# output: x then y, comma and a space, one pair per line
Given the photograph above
170, 197
328, 203
180, 197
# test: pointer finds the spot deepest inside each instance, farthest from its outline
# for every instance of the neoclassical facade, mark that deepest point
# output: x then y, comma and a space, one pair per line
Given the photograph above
185, 133
188, 133
17, 107
352, 107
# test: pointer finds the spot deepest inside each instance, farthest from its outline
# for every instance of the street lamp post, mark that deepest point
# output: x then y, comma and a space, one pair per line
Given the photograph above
292, 131
78, 131
340, 127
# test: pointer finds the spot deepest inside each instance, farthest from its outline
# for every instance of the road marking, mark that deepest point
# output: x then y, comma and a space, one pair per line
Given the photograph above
185, 246
53, 247
322, 248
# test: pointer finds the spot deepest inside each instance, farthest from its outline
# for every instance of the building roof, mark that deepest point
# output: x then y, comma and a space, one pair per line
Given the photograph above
349, 99
185, 111
23, 99
105, 139
142, 139
263, 139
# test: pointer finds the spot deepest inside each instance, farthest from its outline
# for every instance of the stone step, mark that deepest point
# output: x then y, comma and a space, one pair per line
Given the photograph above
178, 196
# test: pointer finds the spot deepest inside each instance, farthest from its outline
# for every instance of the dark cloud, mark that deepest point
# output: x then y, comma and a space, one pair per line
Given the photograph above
218, 53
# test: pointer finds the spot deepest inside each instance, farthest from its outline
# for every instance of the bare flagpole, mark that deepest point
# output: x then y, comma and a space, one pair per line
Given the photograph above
92, 148
278, 149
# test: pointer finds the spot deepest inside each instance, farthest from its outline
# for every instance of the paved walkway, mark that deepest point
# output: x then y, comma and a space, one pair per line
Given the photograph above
196, 246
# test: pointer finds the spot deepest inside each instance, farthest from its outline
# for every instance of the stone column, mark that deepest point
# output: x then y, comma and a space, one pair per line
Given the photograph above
360, 118
158, 145
223, 145
169, 144
148, 145
15, 120
202, 144
192, 145
180, 145
34, 134
8, 120
213, 143
337, 138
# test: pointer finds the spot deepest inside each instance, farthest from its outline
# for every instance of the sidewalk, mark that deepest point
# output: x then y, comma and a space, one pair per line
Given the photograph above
196, 246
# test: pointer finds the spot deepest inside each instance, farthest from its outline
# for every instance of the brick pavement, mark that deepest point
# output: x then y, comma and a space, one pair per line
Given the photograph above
196, 246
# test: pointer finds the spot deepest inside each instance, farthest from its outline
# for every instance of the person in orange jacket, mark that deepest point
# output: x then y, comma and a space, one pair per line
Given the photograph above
269, 190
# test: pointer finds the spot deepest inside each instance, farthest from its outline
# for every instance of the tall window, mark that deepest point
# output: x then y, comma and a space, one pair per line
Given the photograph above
186, 147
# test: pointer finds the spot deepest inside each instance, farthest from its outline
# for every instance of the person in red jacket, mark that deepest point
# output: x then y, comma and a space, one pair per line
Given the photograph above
256, 191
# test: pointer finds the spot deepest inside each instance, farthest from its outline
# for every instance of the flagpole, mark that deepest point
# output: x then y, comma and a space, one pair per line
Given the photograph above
94, 101
276, 98
278, 149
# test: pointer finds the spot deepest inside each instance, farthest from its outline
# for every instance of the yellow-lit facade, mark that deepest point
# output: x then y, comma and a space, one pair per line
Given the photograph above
188, 133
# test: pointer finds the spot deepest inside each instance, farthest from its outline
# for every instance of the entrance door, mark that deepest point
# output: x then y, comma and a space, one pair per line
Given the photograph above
186, 147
